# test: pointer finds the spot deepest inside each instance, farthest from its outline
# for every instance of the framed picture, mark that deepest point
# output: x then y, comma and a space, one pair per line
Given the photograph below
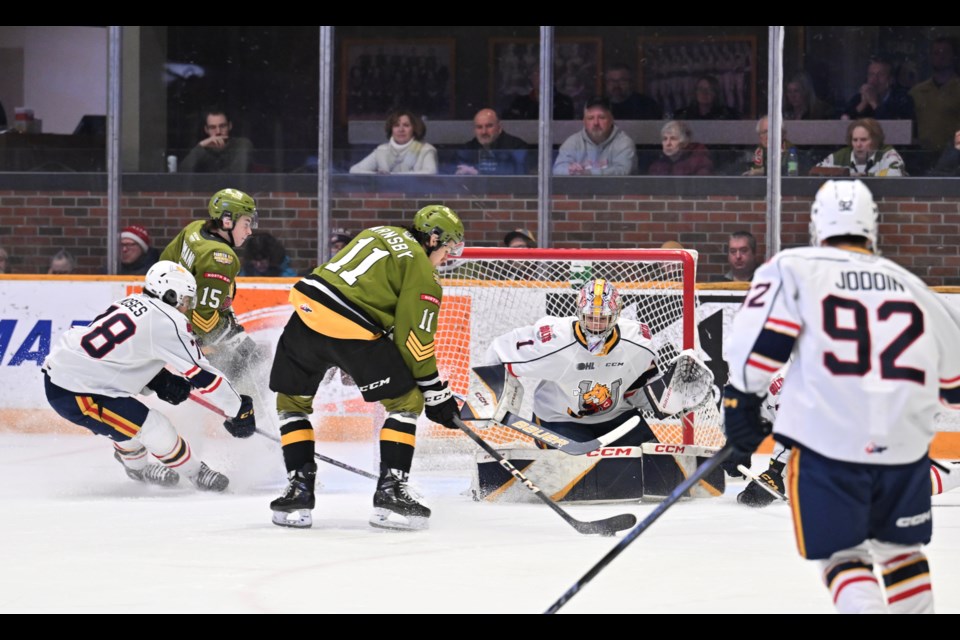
515, 62
379, 76
668, 69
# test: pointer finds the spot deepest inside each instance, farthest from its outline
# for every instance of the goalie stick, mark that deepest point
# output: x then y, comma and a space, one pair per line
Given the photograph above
634, 533
606, 527
766, 487
270, 436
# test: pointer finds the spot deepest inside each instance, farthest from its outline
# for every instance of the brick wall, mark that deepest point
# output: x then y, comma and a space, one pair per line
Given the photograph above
920, 233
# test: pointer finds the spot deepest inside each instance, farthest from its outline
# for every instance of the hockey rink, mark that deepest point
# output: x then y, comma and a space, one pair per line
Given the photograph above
79, 537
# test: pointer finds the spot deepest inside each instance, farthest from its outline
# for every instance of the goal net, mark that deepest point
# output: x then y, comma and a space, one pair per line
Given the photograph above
487, 292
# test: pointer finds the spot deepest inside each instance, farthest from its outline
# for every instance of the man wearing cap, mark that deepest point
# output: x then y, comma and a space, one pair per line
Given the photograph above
520, 239
136, 254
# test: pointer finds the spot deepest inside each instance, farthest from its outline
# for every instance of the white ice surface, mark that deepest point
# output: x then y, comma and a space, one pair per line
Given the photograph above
78, 537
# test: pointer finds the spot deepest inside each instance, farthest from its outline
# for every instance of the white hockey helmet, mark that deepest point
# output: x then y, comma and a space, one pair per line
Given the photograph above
843, 208
598, 307
172, 284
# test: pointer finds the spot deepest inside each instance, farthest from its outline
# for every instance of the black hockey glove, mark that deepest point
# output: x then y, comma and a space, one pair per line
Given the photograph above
244, 425
441, 407
741, 413
170, 387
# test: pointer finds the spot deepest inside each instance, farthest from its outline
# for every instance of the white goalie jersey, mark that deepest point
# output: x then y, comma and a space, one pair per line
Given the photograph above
576, 384
123, 349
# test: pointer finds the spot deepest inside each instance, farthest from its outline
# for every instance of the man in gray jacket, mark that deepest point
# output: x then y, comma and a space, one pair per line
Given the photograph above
600, 149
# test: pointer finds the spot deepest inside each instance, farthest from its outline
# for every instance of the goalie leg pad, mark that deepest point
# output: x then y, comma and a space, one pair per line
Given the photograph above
664, 473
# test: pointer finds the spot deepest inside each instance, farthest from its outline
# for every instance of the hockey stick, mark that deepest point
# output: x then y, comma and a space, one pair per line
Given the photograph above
634, 533
270, 436
766, 487
606, 527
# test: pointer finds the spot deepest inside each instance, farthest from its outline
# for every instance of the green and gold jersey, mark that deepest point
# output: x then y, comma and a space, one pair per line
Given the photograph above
382, 281
214, 264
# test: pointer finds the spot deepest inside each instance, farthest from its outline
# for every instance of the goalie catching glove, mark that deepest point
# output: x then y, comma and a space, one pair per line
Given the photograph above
245, 424
685, 386
742, 423
440, 405
170, 387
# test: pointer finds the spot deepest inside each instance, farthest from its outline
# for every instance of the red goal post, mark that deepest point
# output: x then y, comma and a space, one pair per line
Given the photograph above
487, 292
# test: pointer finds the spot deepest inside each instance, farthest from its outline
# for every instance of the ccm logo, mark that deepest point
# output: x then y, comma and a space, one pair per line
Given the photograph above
669, 448
374, 385
611, 452
913, 521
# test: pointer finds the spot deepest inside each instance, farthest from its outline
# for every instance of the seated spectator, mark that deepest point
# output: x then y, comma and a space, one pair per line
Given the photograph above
404, 151
339, 240
800, 101
949, 162
265, 257
136, 254
937, 99
219, 152
865, 154
4, 266
527, 107
520, 239
61, 263
625, 103
880, 97
599, 149
741, 256
708, 103
758, 165
681, 156
492, 151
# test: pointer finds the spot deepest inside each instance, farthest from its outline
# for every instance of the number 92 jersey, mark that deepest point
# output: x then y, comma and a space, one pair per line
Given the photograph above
875, 353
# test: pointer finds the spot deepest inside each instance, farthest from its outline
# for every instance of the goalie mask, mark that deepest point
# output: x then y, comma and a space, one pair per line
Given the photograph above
598, 307
843, 208
172, 284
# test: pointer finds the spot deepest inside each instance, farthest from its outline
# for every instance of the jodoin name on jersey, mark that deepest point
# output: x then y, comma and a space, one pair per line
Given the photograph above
867, 281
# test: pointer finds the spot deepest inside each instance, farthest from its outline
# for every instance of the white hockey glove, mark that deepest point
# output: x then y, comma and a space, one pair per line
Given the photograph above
686, 386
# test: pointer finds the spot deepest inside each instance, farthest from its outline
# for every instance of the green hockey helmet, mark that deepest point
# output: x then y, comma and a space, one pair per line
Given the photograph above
229, 205
436, 219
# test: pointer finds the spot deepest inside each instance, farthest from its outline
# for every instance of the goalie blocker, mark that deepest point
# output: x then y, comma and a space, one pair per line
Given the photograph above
648, 472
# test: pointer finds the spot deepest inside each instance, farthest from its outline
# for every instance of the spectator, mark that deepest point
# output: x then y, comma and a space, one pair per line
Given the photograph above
707, 103
937, 99
136, 254
520, 239
599, 149
219, 152
527, 107
681, 156
492, 151
404, 151
265, 257
758, 165
671, 244
339, 240
880, 97
61, 263
865, 154
949, 162
4, 266
741, 256
800, 101
625, 103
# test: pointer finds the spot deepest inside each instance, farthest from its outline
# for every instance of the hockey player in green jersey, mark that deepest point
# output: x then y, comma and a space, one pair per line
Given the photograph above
208, 250
372, 311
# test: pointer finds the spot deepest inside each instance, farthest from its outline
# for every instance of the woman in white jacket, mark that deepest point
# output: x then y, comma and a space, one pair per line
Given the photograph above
405, 151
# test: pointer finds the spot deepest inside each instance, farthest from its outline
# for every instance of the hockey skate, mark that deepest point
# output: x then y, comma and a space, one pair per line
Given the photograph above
755, 495
395, 505
209, 480
293, 508
150, 474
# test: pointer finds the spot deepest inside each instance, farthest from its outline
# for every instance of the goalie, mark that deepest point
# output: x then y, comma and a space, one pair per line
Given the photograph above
595, 374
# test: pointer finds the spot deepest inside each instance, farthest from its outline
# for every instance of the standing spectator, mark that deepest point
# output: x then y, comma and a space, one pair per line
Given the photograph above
880, 97
527, 107
4, 266
937, 99
492, 151
681, 156
61, 263
265, 257
520, 239
741, 256
599, 149
625, 103
800, 101
707, 103
758, 164
136, 254
404, 151
219, 152
865, 154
